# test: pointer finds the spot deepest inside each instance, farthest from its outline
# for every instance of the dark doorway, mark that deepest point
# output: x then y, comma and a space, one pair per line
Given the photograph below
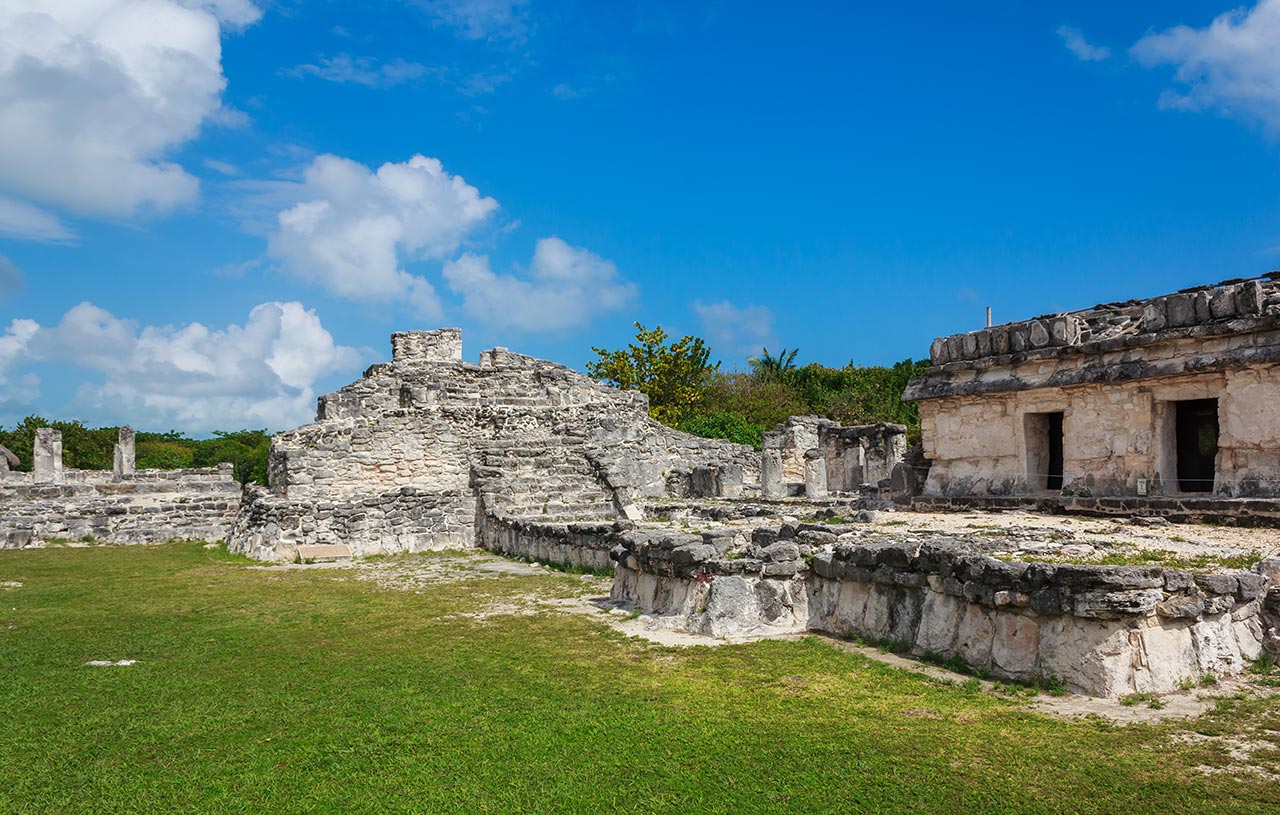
1044, 451
1197, 439
1053, 479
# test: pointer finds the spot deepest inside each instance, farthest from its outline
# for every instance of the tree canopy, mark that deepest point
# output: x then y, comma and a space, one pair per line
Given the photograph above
673, 375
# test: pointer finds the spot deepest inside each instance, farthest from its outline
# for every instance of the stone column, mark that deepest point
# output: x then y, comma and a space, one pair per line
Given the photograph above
125, 455
46, 459
772, 484
815, 474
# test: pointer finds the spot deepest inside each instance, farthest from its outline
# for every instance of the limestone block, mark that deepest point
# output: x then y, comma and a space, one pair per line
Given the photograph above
1165, 657
125, 455
877, 620
1248, 297
1015, 644
938, 351
1179, 310
47, 456
1154, 316
974, 635
731, 607
772, 484
1222, 303
940, 618
705, 482
815, 474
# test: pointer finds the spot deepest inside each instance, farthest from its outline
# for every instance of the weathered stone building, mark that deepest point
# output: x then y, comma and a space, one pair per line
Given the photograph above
430, 452
1175, 396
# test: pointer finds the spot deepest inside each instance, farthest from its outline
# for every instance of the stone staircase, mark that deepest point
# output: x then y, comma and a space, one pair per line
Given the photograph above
552, 481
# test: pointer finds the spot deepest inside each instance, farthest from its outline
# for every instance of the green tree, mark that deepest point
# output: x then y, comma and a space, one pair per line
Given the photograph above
673, 375
767, 366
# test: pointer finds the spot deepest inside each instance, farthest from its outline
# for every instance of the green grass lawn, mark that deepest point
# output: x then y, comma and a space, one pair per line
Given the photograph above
312, 691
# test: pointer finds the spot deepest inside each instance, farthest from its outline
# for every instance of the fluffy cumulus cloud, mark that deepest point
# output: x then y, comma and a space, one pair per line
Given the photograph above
731, 329
259, 374
566, 287
1232, 65
352, 228
1085, 51
96, 94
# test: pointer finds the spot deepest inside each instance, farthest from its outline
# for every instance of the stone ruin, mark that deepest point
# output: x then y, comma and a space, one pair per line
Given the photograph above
429, 452
530, 459
125, 505
1099, 630
1168, 405
816, 457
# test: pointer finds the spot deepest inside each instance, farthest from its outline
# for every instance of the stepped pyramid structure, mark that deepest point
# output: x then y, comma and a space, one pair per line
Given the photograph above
422, 451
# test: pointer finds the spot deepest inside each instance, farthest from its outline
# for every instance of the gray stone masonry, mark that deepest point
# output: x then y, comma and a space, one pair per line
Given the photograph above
418, 452
150, 506
853, 458
1101, 630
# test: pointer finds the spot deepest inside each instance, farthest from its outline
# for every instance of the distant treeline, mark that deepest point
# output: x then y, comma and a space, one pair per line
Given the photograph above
93, 448
742, 407
687, 391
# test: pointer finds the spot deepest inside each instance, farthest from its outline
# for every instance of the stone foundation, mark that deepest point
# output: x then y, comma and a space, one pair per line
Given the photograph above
580, 545
1103, 631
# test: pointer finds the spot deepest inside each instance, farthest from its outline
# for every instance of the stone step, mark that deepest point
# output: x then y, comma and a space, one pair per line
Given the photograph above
323, 552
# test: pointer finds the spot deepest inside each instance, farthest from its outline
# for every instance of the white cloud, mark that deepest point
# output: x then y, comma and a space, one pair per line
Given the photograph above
346, 69
13, 345
731, 329
1075, 42
260, 374
96, 94
479, 19
222, 167
1233, 65
235, 13
353, 229
566, 287
19, 219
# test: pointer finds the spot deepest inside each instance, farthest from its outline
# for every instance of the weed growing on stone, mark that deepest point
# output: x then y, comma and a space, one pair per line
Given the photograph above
1152, 700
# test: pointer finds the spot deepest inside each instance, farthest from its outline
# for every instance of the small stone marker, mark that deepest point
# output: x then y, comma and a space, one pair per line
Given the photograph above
324, 552
47, 456
125, 454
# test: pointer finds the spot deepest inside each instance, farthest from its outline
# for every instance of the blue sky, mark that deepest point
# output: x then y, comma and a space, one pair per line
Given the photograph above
213, 210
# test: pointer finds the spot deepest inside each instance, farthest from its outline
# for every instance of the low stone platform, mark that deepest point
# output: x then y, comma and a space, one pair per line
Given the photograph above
1100, 630
1249, 512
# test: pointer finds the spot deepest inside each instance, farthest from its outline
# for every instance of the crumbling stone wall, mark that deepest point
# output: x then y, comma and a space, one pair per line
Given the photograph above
508, 436
1101, 630
123, 506
1115, 372
810, 455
